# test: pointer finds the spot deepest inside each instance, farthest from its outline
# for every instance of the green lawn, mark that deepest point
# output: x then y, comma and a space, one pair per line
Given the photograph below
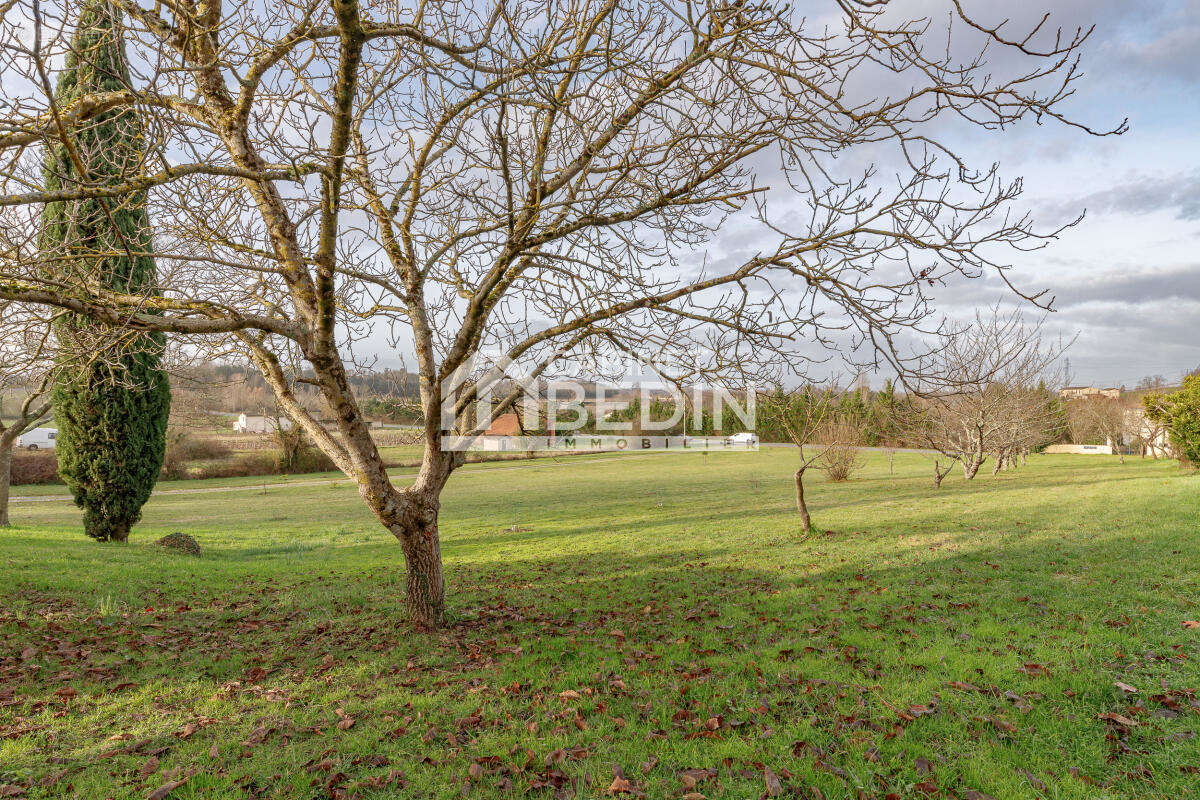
650, 614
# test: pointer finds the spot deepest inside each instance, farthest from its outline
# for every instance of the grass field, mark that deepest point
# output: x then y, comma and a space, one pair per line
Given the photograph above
640, 626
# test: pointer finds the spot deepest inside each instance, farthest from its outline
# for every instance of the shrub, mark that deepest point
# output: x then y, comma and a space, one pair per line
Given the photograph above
297, 455
841, 438
306, 459
184, 449
34, 467
241, 466
1180, 413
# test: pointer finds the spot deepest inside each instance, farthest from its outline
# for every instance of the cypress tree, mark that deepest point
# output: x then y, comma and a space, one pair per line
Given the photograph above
112, 399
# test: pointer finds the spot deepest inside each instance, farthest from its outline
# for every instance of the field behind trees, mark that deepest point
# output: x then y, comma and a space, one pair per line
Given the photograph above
640, 625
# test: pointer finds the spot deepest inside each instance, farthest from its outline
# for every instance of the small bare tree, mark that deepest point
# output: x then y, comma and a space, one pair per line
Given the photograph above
840, 438
982, 392
1149, 426
526, 182
1110, 418
809, 417
1029, 419
1081, 422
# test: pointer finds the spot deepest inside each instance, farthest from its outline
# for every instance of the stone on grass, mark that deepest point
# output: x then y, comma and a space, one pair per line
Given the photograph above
181, 542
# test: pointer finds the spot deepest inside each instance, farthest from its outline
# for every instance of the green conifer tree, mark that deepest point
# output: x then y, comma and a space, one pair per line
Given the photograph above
112, 405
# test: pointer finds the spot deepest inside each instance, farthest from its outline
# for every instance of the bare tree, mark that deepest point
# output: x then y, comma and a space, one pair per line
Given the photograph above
1109, 417
808, 417
1149, 426
1081, 422
1029, 418
26, 370
840, 437
531, 180
940, 474
983, 392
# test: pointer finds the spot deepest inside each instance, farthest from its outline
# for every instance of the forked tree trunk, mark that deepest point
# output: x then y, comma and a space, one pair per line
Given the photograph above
801, 506
411, 515
939, 473
971, 466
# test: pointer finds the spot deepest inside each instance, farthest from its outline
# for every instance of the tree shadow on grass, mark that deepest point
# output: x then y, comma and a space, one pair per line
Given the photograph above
848, 644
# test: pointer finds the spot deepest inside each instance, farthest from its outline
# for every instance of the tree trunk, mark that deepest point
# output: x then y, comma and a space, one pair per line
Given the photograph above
106, 530
801, 507
425, 586
5, 480
938, 474
971, 466
412, 517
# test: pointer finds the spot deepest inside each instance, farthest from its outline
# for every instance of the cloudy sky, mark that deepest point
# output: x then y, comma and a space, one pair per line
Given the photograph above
1127, 279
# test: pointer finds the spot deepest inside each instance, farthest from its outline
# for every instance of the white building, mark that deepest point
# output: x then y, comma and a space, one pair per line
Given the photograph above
259, 424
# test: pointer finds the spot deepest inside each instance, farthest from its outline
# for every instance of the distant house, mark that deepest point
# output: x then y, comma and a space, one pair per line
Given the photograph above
504, 425
1074, 392
259, 424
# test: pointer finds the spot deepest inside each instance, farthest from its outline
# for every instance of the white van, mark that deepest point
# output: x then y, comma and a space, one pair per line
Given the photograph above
743, 439
38, 439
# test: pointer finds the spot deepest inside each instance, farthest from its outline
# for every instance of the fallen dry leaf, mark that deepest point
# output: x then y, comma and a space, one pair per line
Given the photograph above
166, 789
1123, 721
1034, 780
620, 786
975, 794
774, 786
149, 768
